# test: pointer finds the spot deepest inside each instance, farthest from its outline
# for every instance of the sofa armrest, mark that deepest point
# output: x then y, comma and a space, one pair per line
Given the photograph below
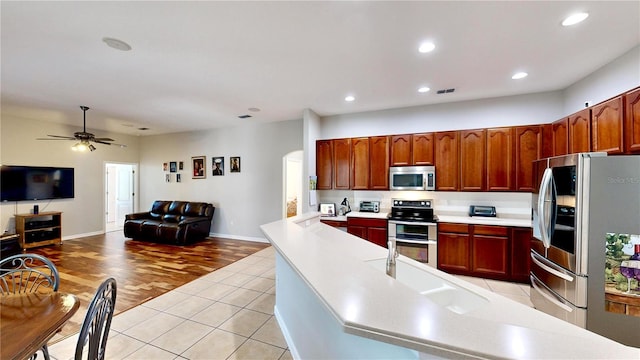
192, 220
137, 216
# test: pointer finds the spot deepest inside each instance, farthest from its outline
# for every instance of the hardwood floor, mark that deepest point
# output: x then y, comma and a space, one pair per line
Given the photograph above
143, 270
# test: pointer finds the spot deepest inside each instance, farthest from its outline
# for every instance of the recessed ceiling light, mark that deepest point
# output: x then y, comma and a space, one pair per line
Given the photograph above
575, 18
519, 75
426, 47
349, 98
423, 89
116, 44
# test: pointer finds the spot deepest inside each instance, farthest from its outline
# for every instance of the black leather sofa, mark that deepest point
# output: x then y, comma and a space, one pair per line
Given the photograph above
173, 222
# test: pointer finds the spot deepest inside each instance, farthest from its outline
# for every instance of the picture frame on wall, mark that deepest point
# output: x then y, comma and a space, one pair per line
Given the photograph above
167, 178
235, 164
217, 164
173, 167
165, 166
181, 165
178, 178
198, 167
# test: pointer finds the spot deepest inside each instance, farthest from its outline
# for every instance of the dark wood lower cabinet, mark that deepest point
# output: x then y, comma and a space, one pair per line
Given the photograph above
373, 230
494, 252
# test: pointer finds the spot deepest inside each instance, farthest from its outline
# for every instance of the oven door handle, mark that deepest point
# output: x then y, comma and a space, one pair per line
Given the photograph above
400, 222
417, 242
549, 269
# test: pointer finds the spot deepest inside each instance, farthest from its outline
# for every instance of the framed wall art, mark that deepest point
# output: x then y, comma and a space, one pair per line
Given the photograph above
178, 177
217, 164
198, 167
235, 164
181, 165
173, 166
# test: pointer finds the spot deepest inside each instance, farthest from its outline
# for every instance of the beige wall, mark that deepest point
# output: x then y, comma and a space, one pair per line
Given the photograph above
83, 214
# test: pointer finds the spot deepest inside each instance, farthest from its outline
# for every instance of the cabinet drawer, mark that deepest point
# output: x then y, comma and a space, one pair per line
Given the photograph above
381, 223
491, 230
453, 228
334, 223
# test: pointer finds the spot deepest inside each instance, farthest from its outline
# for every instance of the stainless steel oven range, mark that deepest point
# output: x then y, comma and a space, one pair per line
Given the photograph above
413, 226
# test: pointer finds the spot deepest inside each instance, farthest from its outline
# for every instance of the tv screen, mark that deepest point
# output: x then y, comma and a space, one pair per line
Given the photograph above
18, 183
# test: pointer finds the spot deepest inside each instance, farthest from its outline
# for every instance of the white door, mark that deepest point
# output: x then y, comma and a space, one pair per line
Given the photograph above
120, 194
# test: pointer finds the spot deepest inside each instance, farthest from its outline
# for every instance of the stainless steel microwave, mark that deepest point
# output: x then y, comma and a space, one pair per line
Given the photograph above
412, 178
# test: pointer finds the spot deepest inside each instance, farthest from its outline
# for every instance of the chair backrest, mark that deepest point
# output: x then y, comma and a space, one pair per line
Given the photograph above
95, 328
28, 273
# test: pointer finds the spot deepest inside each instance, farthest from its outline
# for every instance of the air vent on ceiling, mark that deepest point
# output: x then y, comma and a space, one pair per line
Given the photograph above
143, 128
246, 116
445, 91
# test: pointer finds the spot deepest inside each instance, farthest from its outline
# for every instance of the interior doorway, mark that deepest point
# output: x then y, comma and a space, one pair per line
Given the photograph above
119, 194
292, 184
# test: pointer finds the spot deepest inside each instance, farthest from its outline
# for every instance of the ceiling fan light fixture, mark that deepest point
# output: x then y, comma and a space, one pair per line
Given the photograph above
81, 147
91, 147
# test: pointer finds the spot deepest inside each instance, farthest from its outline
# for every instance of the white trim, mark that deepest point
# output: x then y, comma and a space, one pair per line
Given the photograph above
238, 237
76, 236
285, 333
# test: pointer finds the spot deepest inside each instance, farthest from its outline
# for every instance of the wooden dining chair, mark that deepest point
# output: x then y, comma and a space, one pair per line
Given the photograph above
28, 273
95, 328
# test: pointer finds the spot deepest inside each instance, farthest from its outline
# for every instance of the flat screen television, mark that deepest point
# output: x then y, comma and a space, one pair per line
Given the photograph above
20, 183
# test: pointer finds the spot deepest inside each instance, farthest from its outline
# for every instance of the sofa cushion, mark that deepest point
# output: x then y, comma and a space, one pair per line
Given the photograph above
171, 218
159, 208
196, 209
177, 207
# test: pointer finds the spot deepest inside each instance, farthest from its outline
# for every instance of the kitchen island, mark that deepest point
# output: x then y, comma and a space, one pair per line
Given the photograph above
334, 300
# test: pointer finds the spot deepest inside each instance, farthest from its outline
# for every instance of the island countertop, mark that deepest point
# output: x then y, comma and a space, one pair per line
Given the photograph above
368, 303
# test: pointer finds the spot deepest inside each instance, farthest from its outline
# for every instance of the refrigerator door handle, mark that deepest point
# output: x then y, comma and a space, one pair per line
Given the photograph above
549, 269
545, 229
550, 297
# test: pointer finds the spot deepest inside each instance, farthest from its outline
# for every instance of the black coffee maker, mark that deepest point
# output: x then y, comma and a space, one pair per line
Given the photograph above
345, 208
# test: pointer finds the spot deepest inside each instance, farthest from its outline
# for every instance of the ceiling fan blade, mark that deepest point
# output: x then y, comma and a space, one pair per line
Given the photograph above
65, 139
108, 143
62, 137
103, 139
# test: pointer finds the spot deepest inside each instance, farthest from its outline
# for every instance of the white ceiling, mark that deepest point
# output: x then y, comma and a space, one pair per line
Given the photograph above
198, 65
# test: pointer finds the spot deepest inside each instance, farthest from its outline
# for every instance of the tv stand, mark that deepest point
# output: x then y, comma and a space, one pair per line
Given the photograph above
39, 229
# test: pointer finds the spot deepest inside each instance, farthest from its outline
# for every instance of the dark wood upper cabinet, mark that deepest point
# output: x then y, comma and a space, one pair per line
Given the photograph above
607, 126
472, 160
529, 148
360, 163
422, 149
341, 163
379, 162
500, 159
324, 164
401, 150
446, 148
580, 132
560, 137
632, 121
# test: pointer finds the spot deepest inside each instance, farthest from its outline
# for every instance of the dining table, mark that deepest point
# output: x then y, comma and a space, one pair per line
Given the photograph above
28, 321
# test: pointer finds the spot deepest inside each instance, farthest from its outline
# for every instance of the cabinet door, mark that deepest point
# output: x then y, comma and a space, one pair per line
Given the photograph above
324, 164
580, 131
447, 165
560, 137
379, 163
528, 149
520, 254
490, 254
341, 163
360, 163
473, 160
453, 252
377, 236
632, 121
422, 149
400, 150
607, 125
500, 159
359, 231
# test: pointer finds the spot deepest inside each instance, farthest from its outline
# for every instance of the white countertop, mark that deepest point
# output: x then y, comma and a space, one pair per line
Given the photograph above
479, 220
368, 303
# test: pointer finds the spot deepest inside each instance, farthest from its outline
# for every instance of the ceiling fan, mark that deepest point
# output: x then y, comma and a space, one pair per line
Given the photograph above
85, 139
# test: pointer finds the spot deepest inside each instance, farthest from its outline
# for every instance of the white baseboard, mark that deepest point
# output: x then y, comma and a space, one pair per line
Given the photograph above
238, 237
286, 335
76, 236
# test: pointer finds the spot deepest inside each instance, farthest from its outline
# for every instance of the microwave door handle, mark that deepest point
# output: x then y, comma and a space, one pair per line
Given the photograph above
547, 177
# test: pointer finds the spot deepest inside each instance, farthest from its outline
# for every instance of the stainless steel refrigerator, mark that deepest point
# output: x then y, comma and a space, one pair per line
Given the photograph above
586, 219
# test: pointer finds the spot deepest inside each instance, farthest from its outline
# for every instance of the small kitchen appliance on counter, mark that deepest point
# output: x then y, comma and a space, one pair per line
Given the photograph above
370, 206
345, 208
479, 210
414, 228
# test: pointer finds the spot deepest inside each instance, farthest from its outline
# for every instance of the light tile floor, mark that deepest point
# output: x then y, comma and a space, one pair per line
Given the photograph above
227, 314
